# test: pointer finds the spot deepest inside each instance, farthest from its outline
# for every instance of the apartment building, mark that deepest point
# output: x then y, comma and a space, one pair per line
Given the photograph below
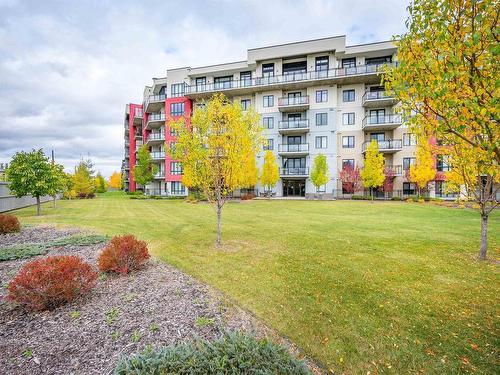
314, 97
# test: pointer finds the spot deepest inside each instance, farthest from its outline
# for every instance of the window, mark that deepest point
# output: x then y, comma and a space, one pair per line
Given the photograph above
223, 82
268, 122
246, 79
173, 132
269, 145
176, 109
175, 168
177, 89
268, 70
321, 96
322, 142
172, 147
408, 188
348, 141
378, 60
245, 104
321, 119
348, 95
201, 83
349, 62
268, 101
442, 163
409, 139
322, 66
348, 118
379, 137
407, 162
177, 187
347, 163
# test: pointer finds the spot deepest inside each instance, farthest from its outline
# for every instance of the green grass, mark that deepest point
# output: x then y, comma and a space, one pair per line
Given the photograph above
383, 287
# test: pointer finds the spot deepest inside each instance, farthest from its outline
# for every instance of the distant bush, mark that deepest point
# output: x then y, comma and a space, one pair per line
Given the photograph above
138, 197
123, 254
52, 281
234, 353
135, 193
85, 195
248, 196
359, 198
395, 199
9, 224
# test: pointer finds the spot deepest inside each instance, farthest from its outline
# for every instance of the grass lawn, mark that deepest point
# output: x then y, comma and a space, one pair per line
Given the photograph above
381, 287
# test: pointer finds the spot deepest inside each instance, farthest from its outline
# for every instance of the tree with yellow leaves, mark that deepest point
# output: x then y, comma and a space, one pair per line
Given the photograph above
270, 172
218, 150
423, 171
447, 80
115, 181
372, 174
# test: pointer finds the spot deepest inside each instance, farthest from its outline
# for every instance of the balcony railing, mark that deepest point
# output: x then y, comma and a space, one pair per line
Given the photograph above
138, 113
156, 137
158, 154
396, 169
294, 171
389, 144
159, 175
303, 147
288, 78
157, 98
294, 124
291, 101
381, 120
376, 95
156, 117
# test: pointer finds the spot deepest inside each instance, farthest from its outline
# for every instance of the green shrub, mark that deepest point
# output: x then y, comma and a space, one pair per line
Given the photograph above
234, 353
135, 193
395, 199
138, 197
79, 240
359, 198
23, 251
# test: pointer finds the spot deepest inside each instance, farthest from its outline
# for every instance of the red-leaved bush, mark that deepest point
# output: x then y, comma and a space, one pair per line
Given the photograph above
52, 281
9, 224
123, 254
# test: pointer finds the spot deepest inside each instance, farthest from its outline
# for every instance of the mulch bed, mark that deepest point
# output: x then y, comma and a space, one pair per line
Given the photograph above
156, 306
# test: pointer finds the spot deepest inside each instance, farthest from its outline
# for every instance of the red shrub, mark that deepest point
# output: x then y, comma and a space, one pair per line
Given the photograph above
52, 281
123, 254
9, 224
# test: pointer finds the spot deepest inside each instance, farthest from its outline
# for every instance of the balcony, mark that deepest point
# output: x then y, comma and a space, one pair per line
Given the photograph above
155, 138
138, 135
387, 122
159, 176
293, 126
155, 120
293, 104
378, 99
294, 172
358, 74
388, 146
138, 116
158, 155
296, 149
155, 103
396, 169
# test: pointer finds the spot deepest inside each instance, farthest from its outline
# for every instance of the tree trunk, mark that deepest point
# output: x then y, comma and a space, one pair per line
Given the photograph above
38, 207
484, 236
54, 202
219, 224
371, 193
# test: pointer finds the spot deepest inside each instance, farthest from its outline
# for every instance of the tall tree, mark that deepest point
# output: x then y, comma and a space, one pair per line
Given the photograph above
319, 173
31, 173
424, 170
100, 183
351, 179
59, 182
144, 171
270, 172
83, 183
372, 173
115, 181
448, 79
218, 151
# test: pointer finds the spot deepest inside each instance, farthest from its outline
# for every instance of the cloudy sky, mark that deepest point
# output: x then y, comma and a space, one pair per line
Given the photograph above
68, 67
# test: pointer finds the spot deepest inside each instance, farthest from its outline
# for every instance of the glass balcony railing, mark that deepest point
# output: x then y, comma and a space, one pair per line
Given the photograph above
293, 124
387, 145
158, 154
156, 117
302, 147
156, 137
381, 120
377, 95
301, 171
293, 100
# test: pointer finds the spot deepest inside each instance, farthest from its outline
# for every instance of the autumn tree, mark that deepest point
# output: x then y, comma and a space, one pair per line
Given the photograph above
83, 183
351, 179
270, 172
423, 170
218, 151
31, 173
115, 180
319, 172
144, 171
372, 173
60, 181
100, 183
389, 175
447, 79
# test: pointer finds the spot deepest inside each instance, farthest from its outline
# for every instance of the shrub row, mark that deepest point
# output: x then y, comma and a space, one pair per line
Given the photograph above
49, 282
9, 224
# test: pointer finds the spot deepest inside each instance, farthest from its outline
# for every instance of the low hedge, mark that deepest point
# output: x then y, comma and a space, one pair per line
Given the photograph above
233, 353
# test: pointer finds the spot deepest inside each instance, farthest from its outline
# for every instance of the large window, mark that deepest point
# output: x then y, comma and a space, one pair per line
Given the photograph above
201, 83
347, 163
407, 162
321, 66
321, 119
268, 122
322, 142
321, 96
408, 188
177, 89
348, 96
350, 62
268, 101
268, 70
177, 187
269, 144
378, 60
348, 118
223, 82
176, 109
409, 139
245, 104
442, 163
175, 168
246, 78
348, 141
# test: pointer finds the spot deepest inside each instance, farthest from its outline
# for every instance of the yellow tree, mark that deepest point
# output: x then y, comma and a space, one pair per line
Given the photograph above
319, 173
372, 174
423, 171
115, 181
447, 79
270, 173
218, 151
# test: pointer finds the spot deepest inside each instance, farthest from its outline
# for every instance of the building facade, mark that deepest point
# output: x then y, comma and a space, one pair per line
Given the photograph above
314, 97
